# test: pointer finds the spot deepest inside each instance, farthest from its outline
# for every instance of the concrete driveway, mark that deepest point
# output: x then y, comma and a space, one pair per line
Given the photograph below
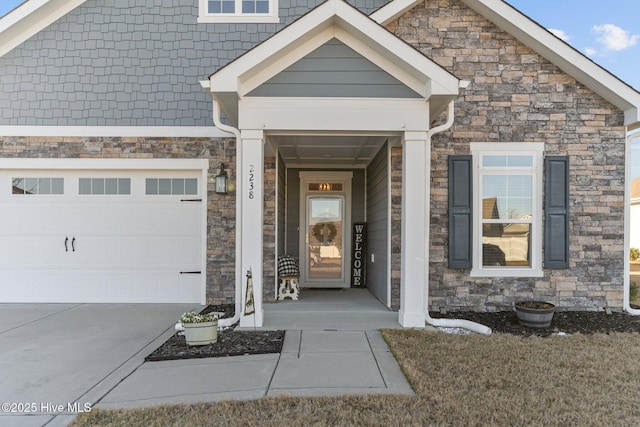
59, 359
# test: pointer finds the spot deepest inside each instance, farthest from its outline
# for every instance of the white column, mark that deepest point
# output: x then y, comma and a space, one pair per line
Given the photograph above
250, 218
415, 233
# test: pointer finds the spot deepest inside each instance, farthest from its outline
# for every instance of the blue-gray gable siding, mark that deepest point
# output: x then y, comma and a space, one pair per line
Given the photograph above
334, 69
128, 63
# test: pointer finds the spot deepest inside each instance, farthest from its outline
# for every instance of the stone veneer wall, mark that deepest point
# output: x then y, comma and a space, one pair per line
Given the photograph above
396, 226
221, 217
518, 96
269, 231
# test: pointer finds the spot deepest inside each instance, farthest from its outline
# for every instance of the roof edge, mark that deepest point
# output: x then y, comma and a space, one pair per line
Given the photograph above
393, 10
563, 55
29, 18
339, 19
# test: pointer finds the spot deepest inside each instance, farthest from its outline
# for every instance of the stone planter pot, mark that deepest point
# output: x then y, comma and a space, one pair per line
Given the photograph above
535, 314
201, 333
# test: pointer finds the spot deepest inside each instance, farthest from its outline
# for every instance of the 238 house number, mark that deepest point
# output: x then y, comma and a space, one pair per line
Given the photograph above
251, 181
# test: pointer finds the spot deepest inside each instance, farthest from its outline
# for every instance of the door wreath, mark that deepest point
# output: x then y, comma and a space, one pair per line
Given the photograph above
319, 231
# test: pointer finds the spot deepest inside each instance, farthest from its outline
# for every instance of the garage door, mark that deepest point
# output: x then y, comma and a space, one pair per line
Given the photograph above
101, 236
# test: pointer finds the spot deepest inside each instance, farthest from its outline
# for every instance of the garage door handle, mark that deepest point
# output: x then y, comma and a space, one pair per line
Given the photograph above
190, 272
73, 244
190, 200
66, 240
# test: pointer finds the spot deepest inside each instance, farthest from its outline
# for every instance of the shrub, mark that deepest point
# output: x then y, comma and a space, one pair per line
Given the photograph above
634, 290
634, 254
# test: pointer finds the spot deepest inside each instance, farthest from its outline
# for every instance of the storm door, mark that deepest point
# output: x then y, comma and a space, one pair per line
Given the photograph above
325, 231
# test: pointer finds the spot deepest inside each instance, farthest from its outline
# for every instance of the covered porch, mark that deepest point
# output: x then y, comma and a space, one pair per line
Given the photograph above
341, 87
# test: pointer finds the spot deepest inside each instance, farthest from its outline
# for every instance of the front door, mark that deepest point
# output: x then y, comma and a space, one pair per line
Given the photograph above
324, 232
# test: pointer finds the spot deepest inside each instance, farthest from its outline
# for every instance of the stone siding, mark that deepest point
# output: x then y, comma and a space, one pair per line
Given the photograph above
269, 231
517, 96
396, 226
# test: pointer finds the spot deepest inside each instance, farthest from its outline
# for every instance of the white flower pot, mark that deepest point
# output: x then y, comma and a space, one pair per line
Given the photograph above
201, 333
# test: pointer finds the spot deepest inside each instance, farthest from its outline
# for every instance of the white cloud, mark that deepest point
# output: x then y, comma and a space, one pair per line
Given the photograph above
559, 34
615, 38
590, 51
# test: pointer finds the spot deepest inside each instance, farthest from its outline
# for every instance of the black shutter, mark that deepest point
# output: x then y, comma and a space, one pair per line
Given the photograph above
556, 212
460, 211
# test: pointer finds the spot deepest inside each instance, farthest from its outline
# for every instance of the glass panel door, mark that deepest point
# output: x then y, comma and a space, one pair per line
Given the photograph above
325, 230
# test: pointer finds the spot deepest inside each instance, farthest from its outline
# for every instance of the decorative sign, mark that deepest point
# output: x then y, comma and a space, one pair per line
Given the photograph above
358, 256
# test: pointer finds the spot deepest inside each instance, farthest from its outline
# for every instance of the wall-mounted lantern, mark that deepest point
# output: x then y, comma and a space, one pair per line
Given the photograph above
221, 181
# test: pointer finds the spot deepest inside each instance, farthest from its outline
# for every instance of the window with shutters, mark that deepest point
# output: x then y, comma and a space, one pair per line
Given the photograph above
507, 209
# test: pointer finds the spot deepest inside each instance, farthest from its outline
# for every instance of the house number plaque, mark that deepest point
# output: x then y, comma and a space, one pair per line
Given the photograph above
251, 181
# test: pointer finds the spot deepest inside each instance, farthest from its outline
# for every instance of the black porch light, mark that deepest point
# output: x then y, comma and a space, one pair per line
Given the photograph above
221, 181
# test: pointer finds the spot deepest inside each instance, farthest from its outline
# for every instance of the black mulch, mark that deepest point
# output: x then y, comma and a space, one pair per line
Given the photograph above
570, 322
234, 343
230, 342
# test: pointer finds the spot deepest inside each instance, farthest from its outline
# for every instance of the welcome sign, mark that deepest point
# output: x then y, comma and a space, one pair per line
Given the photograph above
358, 255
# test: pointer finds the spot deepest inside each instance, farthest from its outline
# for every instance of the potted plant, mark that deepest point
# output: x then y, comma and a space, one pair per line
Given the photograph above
200, 329
535, 314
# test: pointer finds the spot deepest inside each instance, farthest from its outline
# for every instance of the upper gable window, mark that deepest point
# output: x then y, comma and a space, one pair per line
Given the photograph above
231, 11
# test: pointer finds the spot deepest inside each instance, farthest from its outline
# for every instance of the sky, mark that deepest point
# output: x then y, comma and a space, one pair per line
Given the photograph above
606, 31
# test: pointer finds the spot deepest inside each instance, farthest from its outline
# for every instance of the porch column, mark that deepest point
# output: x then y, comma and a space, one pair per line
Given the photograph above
250, 159
415, 234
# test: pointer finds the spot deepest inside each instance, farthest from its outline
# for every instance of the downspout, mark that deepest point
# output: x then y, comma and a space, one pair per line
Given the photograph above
225, 323
447, 323
627, 226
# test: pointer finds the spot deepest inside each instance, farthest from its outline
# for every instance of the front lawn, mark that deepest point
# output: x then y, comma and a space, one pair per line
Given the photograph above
459, 380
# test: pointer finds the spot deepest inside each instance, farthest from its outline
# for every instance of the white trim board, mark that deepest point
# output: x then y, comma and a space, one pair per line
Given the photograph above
116, 131
106, 164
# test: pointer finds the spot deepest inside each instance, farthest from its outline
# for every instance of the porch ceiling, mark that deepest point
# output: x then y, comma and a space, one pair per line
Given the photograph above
328, 151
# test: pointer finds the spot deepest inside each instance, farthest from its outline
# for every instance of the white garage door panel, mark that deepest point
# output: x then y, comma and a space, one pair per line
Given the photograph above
174, 218
99, 286
18, 252
119, 248
177, 252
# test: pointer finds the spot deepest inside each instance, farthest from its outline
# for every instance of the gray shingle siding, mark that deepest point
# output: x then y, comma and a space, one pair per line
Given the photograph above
135, 63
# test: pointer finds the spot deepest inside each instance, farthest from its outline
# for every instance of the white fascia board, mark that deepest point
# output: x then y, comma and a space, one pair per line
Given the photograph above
334, 114
393, 10
30, 18
105, 164
115, 131
562, 55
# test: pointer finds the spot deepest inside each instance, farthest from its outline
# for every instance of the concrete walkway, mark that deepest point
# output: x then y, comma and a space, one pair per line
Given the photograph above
331, 347
312, 363
58, 358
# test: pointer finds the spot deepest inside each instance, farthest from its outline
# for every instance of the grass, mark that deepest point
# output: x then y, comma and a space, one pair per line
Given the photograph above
459, 380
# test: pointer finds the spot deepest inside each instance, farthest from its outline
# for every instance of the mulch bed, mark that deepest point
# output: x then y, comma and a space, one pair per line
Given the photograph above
569, 322
235, 343
230, 342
